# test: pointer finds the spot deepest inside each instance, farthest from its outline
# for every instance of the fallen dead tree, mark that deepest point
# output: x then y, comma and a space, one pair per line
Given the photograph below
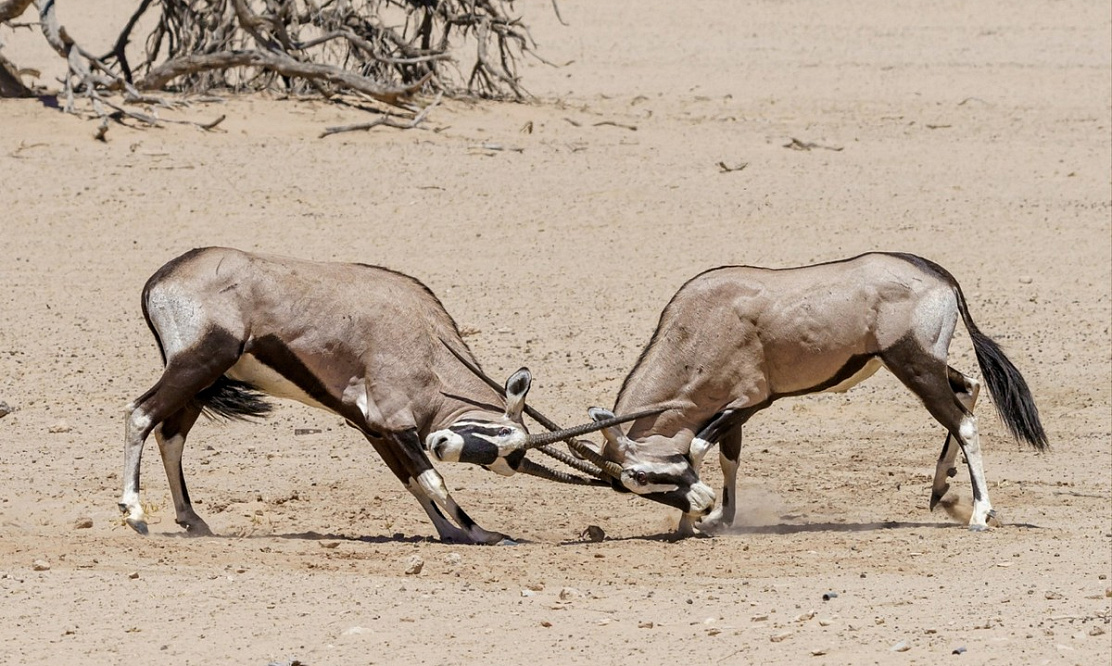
383, 51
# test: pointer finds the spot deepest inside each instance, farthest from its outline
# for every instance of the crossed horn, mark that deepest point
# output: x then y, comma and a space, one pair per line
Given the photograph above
603, 468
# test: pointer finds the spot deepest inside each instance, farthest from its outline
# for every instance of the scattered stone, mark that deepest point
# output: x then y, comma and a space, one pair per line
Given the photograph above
827, 596
535, 587
803, 617
528, 593
958, 650
297, 432
351, 631
1097, 630
59, 427
1108, 592
546, 623
645, 625
83, 523
133, 575
40, 565
759, 618
329, 544
825, 622
1052, 595
777, 638
453, 559
593, 533
819, 652
902, 646
713, 631
5, 409
1025, 279
567, 593
414, 565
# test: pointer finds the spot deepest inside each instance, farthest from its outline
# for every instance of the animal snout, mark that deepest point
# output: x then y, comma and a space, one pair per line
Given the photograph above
443, 445
700, 498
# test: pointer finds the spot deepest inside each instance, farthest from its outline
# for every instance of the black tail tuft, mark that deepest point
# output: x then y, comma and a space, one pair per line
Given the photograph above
233, 400
1008, 388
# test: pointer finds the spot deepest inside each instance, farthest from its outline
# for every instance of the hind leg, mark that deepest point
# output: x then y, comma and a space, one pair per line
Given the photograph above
185, 376
966, 389
929, 378
171, 435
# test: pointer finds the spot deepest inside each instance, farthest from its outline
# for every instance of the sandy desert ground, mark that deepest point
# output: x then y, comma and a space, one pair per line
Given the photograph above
975, 134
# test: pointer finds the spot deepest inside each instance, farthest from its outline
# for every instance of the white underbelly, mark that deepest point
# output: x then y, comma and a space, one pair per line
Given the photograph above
871, 366
263, 377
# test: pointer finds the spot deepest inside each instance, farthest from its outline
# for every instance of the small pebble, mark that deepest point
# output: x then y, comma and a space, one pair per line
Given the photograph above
329, 544
133, 575
528, 593
83, 523
569, 593
59, 427
827, 596
453, 559
1025, 279
414, 565
776, 638
819, 652
902, 646
5, 409
40, 565
645, 625
958, 650
1097, 630
546, 623
593, 533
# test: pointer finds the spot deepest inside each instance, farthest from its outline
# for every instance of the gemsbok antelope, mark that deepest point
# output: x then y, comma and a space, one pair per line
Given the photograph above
367, 343
735, 339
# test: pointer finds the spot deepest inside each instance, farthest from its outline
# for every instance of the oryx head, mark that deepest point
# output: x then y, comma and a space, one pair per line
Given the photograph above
658, 473
491, 440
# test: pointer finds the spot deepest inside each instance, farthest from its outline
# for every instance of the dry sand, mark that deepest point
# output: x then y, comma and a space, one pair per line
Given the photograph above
975, 134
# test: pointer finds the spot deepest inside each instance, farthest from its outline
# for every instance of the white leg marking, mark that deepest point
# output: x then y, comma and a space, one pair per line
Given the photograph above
971, 446
433, 486
699, 448
444, 528
723, 516
136, 424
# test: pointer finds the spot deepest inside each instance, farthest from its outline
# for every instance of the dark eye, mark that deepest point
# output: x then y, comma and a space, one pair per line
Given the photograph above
505, 432
641, 478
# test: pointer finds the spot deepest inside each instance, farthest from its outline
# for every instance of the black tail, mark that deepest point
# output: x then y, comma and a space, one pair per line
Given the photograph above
232, 400
1008, 388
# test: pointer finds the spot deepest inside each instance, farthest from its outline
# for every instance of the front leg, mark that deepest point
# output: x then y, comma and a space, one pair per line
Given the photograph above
729, 454
422, 479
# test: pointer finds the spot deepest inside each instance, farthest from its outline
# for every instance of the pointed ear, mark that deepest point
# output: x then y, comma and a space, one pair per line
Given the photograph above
516, 387
613, 435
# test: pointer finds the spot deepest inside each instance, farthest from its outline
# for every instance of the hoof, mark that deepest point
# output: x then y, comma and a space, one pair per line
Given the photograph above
197, 529
936, 496
994, 520
138, 525
978, 528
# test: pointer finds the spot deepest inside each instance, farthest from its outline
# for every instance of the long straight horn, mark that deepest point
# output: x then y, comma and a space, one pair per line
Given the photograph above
609, 467
568, 459
568, 434
536, 469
